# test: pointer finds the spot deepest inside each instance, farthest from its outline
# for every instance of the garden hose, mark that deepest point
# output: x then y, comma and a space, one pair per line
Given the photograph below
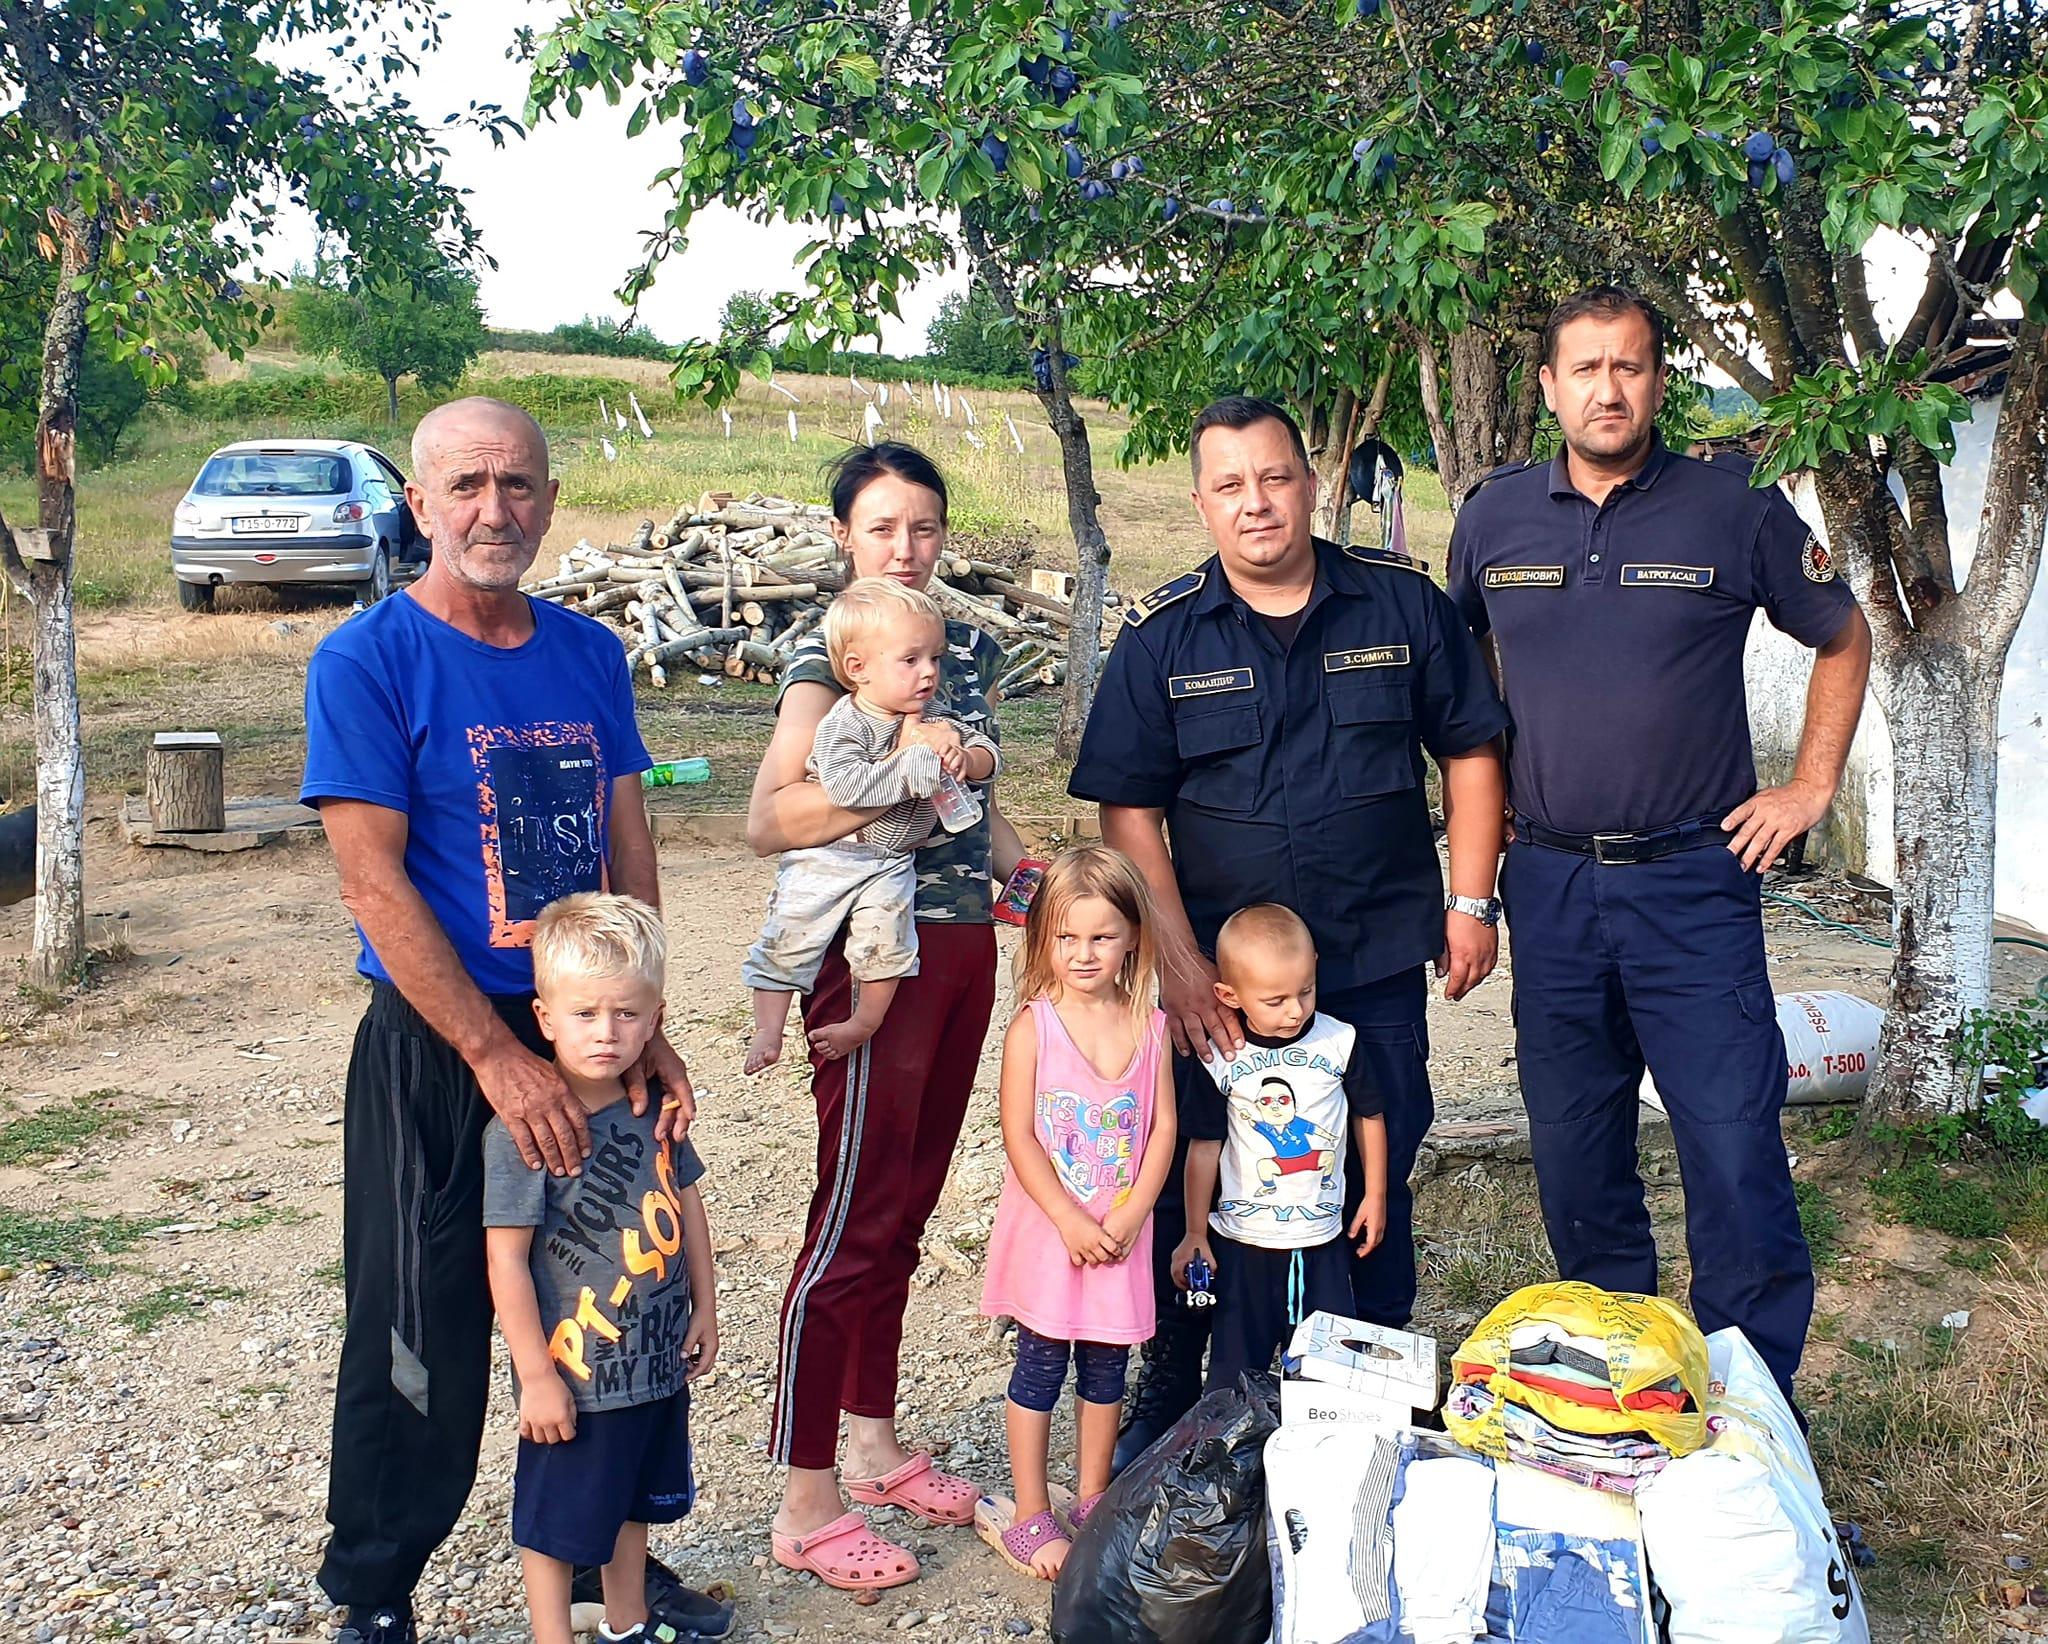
1861, 935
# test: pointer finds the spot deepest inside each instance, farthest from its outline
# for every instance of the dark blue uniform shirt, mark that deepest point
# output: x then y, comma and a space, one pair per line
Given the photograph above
1621, 630
1295, 775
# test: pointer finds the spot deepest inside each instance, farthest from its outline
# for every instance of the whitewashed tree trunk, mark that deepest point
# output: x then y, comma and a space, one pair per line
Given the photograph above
1938, 662
39, 565
1942, 701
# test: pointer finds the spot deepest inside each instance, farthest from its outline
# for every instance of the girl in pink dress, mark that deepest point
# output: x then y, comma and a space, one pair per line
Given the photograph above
1088, 1120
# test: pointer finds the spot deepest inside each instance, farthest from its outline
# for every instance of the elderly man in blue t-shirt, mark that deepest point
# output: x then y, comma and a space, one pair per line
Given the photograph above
474, 756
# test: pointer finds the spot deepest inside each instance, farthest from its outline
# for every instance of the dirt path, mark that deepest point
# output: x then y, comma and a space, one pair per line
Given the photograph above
166, 1384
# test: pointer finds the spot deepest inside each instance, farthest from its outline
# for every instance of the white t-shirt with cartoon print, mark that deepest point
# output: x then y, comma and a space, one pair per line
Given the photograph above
1283, 1112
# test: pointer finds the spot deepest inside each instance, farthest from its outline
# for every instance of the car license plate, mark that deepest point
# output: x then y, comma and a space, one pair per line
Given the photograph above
271, 523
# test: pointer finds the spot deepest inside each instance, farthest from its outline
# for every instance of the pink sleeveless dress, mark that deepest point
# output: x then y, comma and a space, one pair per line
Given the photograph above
1094, 1131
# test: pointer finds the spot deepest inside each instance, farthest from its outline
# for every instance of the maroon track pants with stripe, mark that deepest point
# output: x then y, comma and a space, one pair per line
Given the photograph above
888, 1116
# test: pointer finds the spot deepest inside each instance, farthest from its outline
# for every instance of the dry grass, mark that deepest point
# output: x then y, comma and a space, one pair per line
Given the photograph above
1940, 1449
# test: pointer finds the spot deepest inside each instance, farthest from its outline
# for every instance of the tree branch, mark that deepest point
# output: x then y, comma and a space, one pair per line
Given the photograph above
1658, 285
2015, 513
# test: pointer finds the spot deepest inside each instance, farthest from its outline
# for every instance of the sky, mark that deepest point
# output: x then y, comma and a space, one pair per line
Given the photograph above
563, 210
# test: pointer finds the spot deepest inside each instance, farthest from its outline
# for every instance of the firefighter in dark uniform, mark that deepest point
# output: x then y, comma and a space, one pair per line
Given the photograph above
1269, 711
1619, 582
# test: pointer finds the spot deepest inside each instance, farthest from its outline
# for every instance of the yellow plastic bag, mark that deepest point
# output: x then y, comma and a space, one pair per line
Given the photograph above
1647, 1341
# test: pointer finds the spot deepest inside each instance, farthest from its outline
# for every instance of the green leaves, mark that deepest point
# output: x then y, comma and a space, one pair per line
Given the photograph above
1841, 408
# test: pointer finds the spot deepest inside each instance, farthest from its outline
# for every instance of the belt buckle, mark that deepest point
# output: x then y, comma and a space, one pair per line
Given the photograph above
1604, 842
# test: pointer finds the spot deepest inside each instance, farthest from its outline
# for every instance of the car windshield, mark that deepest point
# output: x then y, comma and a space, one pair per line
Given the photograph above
273, 474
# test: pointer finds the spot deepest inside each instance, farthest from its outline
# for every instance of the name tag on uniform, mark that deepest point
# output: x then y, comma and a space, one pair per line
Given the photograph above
1667, 576
1371, 656
1226, 679
1524, 576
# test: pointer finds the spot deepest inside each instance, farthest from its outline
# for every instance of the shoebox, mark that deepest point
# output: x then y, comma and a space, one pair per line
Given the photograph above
1345, 1370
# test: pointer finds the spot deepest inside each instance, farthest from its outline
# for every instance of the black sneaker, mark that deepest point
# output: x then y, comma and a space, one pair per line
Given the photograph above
681, 1607
383, 1624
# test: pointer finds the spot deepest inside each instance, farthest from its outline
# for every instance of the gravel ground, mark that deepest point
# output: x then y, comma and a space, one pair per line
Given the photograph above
165, 1395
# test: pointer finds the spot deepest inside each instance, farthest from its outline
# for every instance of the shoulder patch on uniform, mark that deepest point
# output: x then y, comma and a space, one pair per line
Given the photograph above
1167, 593
1384, 556
1504, 469
1816, 561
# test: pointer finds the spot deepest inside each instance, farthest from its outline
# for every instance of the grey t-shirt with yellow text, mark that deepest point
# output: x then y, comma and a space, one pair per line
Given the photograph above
607, 1260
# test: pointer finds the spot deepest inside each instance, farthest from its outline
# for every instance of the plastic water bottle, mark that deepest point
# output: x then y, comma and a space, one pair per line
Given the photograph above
671, 771
958, 809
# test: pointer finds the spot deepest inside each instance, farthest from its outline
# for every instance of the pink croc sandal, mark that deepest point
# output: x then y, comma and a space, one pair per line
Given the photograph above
848, 1555
1077, 1515
995, 1521
919, 1487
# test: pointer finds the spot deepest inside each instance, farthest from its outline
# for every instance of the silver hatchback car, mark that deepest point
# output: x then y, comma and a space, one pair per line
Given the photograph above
295, 511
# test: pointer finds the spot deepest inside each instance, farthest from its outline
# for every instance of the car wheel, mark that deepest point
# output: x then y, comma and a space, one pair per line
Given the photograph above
196, 596
379, 584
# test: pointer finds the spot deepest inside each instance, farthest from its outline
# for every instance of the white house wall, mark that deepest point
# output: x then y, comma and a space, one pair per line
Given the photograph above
1859, 835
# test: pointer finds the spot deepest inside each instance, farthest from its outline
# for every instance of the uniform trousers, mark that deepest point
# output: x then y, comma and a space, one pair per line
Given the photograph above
414, 1380
888, 1118
1619, 966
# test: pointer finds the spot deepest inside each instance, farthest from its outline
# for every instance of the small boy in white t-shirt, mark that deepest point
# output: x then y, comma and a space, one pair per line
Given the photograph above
1272, 1133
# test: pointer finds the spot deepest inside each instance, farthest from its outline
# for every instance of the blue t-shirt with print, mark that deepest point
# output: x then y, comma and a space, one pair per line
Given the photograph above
501, 759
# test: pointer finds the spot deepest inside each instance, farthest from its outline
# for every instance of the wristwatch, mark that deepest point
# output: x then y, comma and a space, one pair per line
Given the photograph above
1486, 912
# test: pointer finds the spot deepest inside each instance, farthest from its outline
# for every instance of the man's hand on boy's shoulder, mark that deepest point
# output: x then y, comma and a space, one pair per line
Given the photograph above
660, 1064
545, 1122
547, 1410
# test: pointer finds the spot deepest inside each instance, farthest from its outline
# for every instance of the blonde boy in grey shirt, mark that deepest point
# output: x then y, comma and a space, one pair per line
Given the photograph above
885, 642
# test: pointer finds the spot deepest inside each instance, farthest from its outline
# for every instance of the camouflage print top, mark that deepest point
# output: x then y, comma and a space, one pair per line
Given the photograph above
953, 871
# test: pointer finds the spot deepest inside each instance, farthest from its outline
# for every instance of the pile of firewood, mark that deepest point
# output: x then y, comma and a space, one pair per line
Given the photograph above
731, 587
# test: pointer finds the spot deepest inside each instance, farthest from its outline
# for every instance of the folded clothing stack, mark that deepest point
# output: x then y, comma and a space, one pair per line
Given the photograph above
1546, 1356
1598, 1387
1615, 1462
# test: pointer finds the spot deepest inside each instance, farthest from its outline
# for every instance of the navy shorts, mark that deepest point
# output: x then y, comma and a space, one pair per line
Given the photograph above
627, 1466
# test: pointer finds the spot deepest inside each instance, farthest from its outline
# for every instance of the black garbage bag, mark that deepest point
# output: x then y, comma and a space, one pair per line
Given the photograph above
1176, 1551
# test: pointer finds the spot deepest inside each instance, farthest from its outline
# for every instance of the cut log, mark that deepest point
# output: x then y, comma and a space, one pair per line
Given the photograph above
1058, 610
184, 781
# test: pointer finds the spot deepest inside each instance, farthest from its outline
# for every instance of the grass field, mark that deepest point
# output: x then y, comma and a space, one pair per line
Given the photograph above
145, 665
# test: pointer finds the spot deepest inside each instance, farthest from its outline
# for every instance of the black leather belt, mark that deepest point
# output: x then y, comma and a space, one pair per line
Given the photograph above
1622, 848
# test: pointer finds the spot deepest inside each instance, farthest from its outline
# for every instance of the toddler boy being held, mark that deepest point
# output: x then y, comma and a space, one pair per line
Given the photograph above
1270, 1125
602, 1282
886, 642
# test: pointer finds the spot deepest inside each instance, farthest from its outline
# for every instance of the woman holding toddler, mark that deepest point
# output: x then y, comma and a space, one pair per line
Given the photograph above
890, 1104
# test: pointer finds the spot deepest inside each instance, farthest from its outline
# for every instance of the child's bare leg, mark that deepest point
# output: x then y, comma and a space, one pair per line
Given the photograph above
625, 1580
547, 1597
1095, 1426
1030, 1435
771, 1013
871, 1001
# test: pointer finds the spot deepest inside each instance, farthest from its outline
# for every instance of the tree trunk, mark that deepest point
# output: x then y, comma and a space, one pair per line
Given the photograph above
1476, 426
57, 954
1091, 557
1937, 667
1329, 432
1350, 421
39, 565
391, 401
1944, 699
1077, 467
